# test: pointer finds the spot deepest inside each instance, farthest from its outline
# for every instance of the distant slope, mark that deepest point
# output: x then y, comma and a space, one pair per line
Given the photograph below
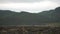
24, 18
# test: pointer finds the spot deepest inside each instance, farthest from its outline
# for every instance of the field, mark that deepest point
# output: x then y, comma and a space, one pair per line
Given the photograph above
29, 29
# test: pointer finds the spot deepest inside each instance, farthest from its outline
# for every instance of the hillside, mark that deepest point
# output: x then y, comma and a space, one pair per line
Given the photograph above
8, 17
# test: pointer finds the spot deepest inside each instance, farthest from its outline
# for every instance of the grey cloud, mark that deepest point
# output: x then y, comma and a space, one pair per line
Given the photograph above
28, 0
58, 1
20, 1
23, 1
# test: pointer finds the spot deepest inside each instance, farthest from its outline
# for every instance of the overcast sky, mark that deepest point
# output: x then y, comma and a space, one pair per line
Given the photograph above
33, 6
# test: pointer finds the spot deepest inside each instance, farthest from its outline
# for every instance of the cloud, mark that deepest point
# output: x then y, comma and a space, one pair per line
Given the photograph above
19, 1
57, 1
26, 1
33, 6
29, 7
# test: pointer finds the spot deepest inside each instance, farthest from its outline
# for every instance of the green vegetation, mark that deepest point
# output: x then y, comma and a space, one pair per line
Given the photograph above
24, 18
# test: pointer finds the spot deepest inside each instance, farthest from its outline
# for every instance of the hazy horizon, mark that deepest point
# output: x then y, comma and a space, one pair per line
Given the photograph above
32, 6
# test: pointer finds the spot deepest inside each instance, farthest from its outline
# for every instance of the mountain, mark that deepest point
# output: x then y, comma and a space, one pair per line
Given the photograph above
8, 17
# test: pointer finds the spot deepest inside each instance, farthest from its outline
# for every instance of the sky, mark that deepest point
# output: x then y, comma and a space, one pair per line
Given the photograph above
32, 6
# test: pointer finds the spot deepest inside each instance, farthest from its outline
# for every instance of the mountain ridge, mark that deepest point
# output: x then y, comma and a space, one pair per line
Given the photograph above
8, 17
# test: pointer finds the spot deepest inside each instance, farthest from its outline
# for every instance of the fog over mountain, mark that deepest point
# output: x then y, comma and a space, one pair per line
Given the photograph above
32, 6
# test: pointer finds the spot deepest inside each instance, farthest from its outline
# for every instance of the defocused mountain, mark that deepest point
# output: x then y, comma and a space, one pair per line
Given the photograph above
8, 17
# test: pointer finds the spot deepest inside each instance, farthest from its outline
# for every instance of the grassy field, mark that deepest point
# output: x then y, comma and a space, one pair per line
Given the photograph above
30, 29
